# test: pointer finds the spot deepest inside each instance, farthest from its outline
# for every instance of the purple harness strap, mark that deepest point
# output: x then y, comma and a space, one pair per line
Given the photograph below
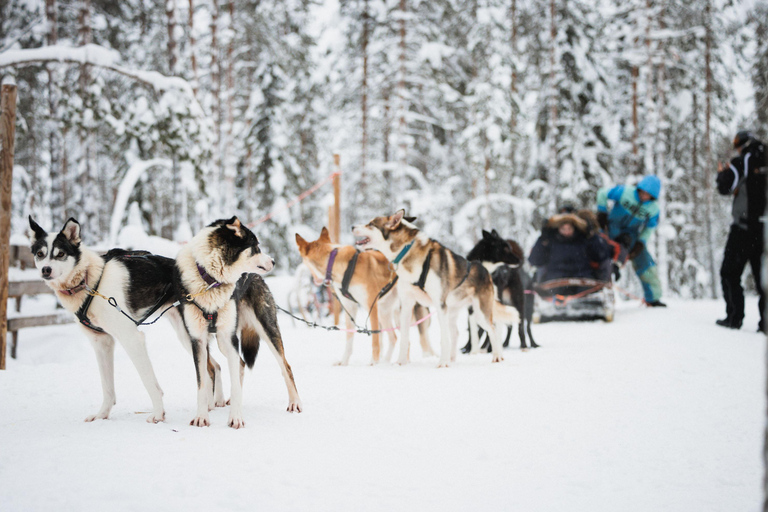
329, 269
210, 281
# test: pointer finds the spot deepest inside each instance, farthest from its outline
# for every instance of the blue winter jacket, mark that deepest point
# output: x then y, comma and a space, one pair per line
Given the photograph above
628, 215
562, 257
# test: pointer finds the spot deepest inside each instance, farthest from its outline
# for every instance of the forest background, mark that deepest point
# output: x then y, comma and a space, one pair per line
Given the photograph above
471, 114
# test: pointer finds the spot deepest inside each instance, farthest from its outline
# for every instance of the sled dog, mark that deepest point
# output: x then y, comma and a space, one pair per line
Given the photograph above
503, 259
432, 275
140, 284
215, 276
357, 279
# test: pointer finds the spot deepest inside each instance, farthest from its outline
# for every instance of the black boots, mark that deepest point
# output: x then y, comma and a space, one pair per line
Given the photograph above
655, 304
727, 322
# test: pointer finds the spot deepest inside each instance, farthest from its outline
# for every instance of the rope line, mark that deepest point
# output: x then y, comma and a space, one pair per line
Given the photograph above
357, 330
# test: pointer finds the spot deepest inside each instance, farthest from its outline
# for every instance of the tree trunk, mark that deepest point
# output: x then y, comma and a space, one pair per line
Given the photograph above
85, 171
216, 114
170, 13
554, 172
364, 105
708, 183
402, 157
513, 91
54, 138
694, 240
230, 202
192, 56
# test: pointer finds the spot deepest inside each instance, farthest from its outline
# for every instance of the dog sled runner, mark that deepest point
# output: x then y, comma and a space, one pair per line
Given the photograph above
572, 299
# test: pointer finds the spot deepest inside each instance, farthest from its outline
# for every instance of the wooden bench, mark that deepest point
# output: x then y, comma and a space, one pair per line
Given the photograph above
21, 256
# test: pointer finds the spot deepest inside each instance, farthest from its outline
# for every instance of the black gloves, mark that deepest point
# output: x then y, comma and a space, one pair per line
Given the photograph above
616, 272
636, 250
602, 220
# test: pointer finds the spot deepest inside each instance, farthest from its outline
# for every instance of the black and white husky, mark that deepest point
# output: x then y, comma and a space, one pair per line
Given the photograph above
139, 283
221, 294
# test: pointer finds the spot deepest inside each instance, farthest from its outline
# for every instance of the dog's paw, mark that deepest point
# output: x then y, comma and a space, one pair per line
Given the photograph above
200, 421
236, 422
497, 359
97, 416
156, 418
221, 402
443, 364
295, 406
340, 363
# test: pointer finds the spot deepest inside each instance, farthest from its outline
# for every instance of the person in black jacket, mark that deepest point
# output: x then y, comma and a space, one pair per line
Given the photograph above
745, 179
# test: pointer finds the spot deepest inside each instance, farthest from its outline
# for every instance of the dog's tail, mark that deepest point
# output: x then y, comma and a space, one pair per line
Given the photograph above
507, 315
249, 343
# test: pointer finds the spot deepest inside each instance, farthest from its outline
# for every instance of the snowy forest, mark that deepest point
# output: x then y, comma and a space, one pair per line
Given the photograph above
469, 113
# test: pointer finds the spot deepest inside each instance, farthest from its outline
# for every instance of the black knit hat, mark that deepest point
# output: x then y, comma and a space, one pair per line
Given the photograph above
742, 138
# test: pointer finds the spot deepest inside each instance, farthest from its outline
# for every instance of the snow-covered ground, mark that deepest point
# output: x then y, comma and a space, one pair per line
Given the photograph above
660, 410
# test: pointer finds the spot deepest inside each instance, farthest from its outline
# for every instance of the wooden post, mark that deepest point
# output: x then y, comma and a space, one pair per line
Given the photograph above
334, 221
336, 224
7, 134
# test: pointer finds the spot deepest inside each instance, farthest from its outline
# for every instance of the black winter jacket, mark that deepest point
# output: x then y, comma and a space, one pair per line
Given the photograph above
745, 178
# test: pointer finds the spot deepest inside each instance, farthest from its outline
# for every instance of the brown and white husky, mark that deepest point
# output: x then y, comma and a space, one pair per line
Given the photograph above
432, 275
372, 272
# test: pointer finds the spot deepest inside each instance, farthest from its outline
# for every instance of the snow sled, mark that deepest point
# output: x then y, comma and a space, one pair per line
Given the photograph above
573, 298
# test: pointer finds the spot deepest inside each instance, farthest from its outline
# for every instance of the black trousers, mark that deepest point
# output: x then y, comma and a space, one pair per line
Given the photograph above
744, 245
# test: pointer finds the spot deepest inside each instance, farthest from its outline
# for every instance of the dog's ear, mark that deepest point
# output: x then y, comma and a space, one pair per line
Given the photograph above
301, 243
71, 230
36, 232
486, 234
410, 219
234, 225
325, 236
395, 219
495, 234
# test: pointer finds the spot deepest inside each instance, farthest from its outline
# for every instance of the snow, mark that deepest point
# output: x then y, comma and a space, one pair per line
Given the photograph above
659, 410
133, 174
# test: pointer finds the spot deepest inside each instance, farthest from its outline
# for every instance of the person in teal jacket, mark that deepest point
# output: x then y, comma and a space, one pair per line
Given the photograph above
631, 221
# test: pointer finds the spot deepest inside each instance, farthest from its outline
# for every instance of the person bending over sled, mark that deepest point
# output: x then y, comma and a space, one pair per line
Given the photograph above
567, 248
631, 221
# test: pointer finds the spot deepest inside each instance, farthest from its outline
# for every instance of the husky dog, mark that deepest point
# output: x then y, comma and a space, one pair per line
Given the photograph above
140, 283
220, 297
371, 273
503, 258
432, 275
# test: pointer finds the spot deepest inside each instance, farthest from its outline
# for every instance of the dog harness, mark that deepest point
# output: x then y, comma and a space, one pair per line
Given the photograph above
347, 278
72, 291
212, 283
82, 313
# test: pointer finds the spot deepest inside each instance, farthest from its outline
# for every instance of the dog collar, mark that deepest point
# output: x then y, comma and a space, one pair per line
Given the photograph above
210, 281
402, 253
72, 291
329, 268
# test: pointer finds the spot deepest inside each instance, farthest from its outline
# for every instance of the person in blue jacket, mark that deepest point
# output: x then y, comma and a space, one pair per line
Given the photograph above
631, 221
568, 248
